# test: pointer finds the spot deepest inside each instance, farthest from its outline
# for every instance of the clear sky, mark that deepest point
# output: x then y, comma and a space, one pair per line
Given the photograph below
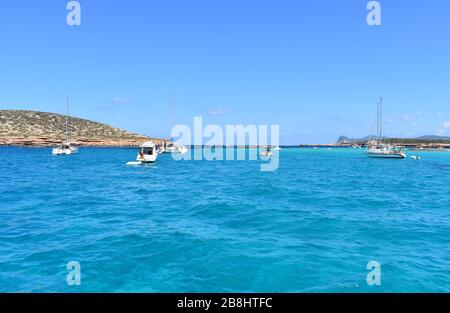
313, 67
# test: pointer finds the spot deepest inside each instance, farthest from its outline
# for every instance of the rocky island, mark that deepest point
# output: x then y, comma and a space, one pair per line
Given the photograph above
432, 142
42, 129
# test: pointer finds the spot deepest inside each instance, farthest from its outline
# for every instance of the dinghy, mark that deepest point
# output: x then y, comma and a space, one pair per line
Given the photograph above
266, 152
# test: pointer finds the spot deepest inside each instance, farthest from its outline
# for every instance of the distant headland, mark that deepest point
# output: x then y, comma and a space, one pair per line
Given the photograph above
42, 129
423, 142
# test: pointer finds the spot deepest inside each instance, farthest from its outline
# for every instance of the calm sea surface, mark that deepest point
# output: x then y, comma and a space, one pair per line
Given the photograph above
195, 226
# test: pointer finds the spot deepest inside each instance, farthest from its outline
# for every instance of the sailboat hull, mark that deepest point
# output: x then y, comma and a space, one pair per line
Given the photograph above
386, 155
68, 151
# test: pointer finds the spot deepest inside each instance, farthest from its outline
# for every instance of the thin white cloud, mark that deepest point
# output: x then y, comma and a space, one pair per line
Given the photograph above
439, 114
217, 111
124, 100
412, 117
442, 131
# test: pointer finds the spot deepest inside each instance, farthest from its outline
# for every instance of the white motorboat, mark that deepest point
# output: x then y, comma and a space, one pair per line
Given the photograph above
147, 153
277, 148
66, 147
175, 148
376, 148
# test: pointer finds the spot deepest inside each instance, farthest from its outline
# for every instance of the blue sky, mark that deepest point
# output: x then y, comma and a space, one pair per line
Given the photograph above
313, 67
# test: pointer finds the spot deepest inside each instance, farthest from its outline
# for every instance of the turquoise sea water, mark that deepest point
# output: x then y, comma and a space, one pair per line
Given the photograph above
196, 226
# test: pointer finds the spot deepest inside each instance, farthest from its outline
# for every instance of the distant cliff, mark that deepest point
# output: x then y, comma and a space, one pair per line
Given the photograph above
30, 128
347, 140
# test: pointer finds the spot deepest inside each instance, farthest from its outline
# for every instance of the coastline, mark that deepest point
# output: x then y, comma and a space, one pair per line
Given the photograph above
21, 142
45, 142
416, 145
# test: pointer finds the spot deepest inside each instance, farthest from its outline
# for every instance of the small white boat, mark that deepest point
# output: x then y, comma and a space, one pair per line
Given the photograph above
175, 148
182, 149
266, 152
66, 147
171, 149
277, 148
160, 149
355, 145
147, 154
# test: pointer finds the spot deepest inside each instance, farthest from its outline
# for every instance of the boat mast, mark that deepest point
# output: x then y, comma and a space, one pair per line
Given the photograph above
172, 105
67, 121
378, 121
381, 118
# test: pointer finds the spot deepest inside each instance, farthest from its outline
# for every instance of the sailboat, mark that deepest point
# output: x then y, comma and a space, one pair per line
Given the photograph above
171, 146
376, 148
66, 147
355, 145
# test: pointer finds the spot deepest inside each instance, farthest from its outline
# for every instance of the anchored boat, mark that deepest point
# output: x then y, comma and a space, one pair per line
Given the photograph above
267, 152
147, 153
66, 147
379, 150
376, 148
176, 148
